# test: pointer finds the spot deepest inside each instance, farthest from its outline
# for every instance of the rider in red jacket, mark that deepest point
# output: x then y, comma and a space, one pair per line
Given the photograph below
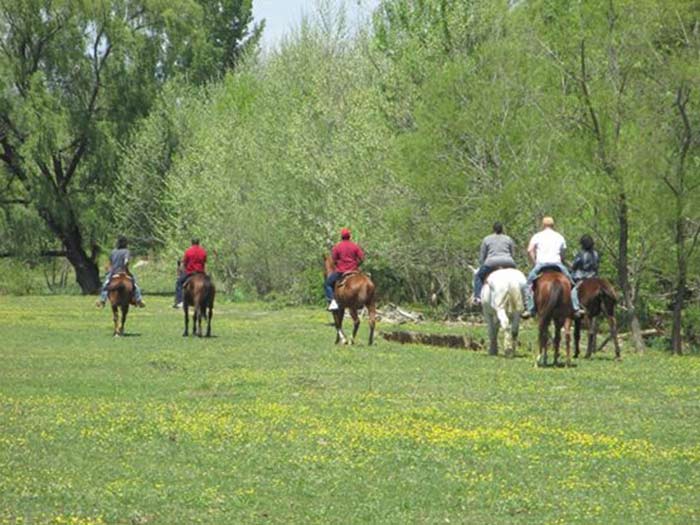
347, 257
193, 261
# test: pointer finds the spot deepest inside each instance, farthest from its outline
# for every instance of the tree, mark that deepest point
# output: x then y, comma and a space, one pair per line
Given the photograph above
76, 76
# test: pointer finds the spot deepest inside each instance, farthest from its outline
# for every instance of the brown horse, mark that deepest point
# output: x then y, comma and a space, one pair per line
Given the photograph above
120, 293
198, 291
354, 291
553, 300
598, 297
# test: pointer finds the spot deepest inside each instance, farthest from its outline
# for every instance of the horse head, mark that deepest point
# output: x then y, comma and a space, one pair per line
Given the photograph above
328, 265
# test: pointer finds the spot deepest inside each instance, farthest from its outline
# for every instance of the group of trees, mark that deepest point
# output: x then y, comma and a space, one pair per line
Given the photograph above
439, 117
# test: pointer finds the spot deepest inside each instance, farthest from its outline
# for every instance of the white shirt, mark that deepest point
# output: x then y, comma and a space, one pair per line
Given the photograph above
548, 246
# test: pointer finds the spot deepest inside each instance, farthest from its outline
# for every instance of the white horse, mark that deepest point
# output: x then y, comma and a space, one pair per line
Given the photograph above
502, 302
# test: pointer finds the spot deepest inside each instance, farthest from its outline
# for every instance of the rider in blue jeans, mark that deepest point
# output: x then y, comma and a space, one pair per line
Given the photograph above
119, 262
547, 249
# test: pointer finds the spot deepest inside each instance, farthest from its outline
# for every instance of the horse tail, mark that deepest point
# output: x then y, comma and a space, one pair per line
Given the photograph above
609, 297
556, 295
515, 296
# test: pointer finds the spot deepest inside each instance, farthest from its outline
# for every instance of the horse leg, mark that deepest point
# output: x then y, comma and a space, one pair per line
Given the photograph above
355, 324
492, 323
211, 313
567, 340
504, 325
577, 336
372, 310
543, 337
186, 310
613, 333
592, 335
339, 314
125, 310
195, 318
557, 341
199, 311
514, 331
115, 319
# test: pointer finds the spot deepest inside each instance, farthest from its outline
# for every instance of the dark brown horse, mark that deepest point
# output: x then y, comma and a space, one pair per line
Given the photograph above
354, 291
553, 300
198, 292
598, 297
120, 293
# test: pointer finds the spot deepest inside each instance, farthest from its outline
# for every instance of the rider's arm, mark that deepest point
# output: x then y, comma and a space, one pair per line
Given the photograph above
482, 253
532, 250
577, 262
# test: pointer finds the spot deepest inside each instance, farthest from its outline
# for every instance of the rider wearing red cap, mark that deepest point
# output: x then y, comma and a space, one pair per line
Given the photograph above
347, 257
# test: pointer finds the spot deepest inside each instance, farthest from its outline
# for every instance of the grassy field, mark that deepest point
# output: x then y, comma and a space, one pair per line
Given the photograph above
269, 422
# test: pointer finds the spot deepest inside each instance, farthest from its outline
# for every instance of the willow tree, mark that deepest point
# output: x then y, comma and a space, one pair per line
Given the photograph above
74, 78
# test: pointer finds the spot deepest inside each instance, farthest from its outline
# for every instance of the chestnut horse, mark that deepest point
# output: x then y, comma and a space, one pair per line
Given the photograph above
198, 291
597, 296
553, 300
354, 291
120, 293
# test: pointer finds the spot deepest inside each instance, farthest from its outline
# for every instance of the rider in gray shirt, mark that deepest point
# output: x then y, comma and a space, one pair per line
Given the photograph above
496, 252
119, 263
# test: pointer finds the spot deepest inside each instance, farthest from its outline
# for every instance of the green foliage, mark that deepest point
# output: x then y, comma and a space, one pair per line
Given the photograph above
76, 77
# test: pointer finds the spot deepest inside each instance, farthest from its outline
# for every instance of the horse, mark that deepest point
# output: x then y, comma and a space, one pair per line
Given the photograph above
501, 304
553, 300
120, 293
198, 291
597, 296
354, 291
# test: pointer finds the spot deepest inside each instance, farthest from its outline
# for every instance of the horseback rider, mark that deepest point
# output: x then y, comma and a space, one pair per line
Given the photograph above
546, 249
586, 262
496, 252
193, 261
119, 263
347, 257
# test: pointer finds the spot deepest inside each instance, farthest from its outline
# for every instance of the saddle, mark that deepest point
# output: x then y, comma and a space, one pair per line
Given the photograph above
192, 275
548, 269
120, 275
341, 282
495, 269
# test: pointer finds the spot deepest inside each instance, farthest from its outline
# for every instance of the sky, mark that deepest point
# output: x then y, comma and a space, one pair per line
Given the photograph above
283, 15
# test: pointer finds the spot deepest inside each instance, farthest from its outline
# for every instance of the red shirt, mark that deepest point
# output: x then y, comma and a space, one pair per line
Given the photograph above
194, 259
347, 256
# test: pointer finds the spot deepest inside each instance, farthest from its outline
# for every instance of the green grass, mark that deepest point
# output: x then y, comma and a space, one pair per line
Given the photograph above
269, 422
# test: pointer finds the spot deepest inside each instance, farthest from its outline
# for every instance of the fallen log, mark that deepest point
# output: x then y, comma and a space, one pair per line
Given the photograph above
448, 340
651, 332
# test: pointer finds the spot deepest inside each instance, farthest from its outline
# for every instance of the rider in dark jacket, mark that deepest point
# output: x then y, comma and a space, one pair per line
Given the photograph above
586, 262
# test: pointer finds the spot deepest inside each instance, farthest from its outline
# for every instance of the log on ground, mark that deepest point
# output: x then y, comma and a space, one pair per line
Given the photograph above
448, 340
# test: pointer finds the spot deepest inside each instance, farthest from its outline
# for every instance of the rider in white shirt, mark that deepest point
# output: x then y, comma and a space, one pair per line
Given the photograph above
547, 249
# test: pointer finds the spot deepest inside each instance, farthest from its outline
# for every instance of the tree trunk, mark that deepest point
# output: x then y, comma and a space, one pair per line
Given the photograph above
87, 274
679, 296
623, 274
66, 229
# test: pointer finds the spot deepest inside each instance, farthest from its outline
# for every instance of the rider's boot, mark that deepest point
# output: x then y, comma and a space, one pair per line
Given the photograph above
100, 303
333, 306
